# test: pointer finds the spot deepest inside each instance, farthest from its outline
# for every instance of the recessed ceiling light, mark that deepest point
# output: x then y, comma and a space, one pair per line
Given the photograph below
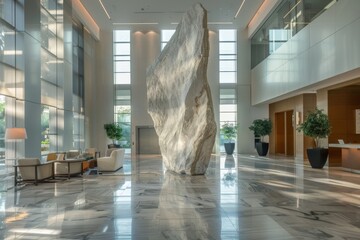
211, 23
132, 23
220, 23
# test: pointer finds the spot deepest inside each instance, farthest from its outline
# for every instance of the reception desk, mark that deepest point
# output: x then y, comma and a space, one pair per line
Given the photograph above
350, 155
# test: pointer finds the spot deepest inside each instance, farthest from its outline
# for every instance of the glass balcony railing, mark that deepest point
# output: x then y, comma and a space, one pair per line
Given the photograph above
290, 17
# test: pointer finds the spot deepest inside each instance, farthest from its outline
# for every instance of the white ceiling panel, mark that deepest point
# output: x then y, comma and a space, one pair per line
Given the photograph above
166, 12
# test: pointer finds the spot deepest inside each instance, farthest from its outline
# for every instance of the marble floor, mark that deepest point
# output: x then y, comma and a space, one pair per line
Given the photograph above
240, 197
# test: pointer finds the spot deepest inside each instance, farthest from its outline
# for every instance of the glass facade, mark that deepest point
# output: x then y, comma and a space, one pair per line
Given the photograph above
122, 83
166, 36
78, 86
287, 20
11, 79
227, 79
32, 79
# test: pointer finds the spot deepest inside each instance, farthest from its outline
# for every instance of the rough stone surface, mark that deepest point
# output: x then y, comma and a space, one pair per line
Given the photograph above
179, 97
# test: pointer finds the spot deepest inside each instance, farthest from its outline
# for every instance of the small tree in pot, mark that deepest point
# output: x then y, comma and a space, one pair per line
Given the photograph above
262, 128
316, 126
229, 131
114, 132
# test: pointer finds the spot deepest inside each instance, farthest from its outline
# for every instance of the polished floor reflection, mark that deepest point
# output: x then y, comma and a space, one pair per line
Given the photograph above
241, 197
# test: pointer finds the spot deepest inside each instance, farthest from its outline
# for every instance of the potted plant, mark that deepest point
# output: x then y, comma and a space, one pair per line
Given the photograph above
316, 126
114, 132
229, 131
262, 128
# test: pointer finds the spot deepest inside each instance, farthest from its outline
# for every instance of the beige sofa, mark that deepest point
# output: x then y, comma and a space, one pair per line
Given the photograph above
31, 169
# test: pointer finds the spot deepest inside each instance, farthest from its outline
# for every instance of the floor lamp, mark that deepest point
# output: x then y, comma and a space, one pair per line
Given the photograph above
15, 134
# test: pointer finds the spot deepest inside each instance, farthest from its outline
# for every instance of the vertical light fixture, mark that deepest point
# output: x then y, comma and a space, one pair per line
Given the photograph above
103, 7
238, 11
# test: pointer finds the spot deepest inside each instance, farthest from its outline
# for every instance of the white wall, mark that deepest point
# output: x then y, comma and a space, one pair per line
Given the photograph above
246, 113
145, 47
213, 80
325, 48
104, 91
90, 97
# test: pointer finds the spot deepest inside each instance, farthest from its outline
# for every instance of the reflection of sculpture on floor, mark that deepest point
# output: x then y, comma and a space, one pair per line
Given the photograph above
182, 210
179, 97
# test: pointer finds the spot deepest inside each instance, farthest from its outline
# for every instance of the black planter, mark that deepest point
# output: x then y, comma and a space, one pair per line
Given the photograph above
113, 145
229, 148
317, 157
262, 148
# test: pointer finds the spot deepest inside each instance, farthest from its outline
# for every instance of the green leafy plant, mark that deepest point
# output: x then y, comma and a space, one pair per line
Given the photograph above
113, 131
46, 141
316, 126
261, 127
229, 130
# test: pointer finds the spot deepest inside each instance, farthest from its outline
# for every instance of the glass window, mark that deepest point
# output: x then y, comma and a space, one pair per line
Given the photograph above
227, 48
48, 67
48, 31
45, 143
122, 48
7, 11
122, 78
122, 66
227, 35
122, 36
78, 131
2, 128
166, 36
227, 66
7, 80
7, 45
122, 82
227, 79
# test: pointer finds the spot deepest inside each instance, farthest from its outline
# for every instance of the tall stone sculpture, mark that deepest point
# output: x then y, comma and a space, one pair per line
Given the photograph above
179, 97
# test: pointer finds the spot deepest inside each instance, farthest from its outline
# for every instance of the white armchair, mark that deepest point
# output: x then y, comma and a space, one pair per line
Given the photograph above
31, 169
112, 163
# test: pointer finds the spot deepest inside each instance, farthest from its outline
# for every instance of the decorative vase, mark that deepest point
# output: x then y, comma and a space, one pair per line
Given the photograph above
262, 148
229, 148
317, 157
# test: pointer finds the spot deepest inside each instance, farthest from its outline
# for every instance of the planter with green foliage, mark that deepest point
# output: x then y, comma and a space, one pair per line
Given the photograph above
229, 131
114, 132
262, 128
317, 126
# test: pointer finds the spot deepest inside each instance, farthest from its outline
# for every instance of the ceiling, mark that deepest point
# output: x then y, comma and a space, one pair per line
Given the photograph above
164, 13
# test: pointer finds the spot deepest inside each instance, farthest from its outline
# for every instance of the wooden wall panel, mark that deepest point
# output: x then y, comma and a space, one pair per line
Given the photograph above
290, 133
342, 103
279, 129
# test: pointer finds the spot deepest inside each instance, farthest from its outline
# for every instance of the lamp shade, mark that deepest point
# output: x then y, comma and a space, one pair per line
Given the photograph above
15, 133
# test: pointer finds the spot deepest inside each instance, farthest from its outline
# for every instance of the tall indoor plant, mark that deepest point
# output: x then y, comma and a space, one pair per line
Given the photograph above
229, 131
262, 128
317, 126
114, 132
